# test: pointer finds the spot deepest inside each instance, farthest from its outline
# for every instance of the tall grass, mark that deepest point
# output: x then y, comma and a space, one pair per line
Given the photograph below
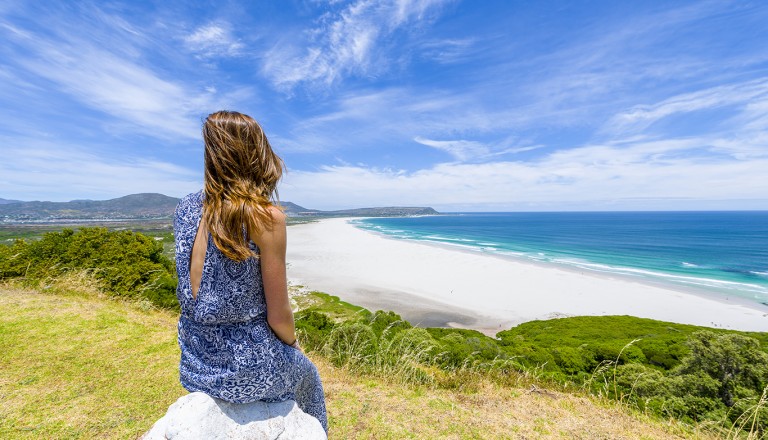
748, 420
412, 356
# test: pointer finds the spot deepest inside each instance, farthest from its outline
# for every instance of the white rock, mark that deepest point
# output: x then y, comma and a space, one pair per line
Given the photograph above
199, 416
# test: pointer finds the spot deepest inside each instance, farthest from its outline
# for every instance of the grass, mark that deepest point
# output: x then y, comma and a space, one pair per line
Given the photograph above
11, 233
362, 407
78, 365
330, 305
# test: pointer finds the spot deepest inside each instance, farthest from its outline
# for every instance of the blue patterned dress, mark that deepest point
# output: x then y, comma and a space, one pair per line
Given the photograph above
228, 350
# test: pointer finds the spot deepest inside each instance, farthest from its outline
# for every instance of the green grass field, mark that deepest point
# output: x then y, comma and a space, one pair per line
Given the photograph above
78, 365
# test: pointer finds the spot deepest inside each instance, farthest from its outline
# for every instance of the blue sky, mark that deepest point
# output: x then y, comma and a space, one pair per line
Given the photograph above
459, 105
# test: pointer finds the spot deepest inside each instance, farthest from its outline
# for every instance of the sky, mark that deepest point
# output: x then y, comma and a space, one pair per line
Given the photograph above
459, 105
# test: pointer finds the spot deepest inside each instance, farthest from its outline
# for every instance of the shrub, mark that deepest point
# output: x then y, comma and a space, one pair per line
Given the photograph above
729, 361
387, 323
314, 327
125, 263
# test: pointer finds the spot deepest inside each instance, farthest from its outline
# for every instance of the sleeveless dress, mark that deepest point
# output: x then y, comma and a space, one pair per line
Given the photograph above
228, 350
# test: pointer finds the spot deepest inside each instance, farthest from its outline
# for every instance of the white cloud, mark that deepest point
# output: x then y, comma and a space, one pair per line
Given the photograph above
401, 114
120, 88
447, 51
656, 175
42, 170
461, 150
752, 95
106, 73
346, 43
622, 63
213, 40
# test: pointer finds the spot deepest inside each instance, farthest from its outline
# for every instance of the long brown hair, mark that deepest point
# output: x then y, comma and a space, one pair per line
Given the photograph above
241, 175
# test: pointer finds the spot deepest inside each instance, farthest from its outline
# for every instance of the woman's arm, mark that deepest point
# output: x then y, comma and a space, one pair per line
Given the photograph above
272, 245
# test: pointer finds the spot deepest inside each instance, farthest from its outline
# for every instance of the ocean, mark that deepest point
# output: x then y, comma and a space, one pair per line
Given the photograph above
724, 253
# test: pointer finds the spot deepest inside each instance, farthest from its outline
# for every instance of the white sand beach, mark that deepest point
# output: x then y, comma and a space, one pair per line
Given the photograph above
434, 285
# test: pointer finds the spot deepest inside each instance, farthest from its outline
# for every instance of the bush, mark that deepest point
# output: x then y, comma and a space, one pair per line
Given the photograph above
314, 327
724, 377
125, 263
569, 360
729, 362
455, 350
387, 323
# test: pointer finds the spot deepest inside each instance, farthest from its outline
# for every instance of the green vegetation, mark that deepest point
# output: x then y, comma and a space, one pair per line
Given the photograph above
724, 376
11, 233
290, 221
597, 339
126, 263
680, 371
76, 365
160, 230
694, 374
691, 373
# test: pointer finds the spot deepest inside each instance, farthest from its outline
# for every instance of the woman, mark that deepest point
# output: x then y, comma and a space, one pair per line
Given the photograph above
236, 329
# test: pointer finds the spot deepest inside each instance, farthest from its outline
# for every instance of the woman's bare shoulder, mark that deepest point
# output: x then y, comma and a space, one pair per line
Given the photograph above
272, 233
277, 214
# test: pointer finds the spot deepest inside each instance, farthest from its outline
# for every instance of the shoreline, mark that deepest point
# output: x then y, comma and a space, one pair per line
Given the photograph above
691, 289
431, 284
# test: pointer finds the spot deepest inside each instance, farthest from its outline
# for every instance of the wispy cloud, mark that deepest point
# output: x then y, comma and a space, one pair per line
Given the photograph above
214, 40
645, 57
46, 170
461, 150
474, 151
344, 43
105, 72
748, 95
448, 50
403, 114
594, 177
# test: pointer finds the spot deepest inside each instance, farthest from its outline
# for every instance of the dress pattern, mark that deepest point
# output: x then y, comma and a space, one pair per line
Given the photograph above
228, 350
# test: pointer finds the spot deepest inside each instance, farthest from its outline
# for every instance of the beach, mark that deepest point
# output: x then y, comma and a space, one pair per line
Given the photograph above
433, 285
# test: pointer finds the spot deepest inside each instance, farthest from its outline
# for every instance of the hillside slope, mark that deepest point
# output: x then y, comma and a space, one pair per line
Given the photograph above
76, 365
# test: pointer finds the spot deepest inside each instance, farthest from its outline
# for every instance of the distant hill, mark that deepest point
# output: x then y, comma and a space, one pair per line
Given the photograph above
389, 211
158, 206
294, 210
134, 206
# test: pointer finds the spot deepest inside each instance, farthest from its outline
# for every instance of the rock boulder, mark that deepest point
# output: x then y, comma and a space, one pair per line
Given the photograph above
199, 416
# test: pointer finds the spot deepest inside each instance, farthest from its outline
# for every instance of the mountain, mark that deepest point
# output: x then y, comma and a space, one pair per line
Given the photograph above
158, 206
294, 210
134, 206
5, 201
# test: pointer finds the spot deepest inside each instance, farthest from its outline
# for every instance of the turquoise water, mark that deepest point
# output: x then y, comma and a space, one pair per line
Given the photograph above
721, 252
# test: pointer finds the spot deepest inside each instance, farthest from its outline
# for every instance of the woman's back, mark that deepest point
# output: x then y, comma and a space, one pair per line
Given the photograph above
228, 350
228, 291
236, 330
